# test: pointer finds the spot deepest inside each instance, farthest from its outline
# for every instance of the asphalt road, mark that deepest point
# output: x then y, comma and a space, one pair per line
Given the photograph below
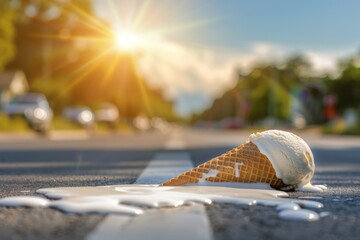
28, 163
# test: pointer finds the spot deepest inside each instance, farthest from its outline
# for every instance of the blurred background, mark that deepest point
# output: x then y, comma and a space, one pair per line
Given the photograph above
120, 65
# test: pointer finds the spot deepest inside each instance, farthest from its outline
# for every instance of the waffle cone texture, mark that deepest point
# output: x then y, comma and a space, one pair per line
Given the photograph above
243, 164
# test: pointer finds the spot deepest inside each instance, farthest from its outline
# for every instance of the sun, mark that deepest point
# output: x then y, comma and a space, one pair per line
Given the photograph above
127, 41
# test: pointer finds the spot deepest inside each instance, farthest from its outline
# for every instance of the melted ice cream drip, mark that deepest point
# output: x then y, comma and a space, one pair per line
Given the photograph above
135, 199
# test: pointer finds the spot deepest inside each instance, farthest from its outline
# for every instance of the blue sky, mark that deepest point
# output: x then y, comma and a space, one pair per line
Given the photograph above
324, 24
221, 36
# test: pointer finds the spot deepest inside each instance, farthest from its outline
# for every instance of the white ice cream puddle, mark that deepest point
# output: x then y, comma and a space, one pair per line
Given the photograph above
325, 214
27, 201
304, 215
312, 188
136, 199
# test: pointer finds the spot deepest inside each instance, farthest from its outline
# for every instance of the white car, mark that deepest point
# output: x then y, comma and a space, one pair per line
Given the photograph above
81, 115
34, 107
107, 113
142, 123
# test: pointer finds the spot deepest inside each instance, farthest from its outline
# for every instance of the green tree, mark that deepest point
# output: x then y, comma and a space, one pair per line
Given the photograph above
45, 33
267, 91
298, 66
347, 86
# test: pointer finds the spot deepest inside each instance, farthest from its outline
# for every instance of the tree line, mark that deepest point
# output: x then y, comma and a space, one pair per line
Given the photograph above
280, 91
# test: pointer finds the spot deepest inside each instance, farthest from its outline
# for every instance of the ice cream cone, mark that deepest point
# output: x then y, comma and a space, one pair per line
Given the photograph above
243, 164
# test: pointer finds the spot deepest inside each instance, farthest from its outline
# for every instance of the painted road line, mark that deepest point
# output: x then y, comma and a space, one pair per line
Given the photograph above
190, 222
165, 166
176, 224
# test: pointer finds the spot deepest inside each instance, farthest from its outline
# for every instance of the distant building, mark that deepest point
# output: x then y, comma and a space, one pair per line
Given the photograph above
12, 83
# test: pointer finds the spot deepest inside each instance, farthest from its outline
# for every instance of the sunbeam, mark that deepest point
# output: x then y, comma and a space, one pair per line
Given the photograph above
102, 68
84, 70
140, 15
91, 21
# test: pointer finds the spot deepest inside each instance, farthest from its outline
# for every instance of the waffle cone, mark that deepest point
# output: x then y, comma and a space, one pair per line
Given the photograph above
243, 164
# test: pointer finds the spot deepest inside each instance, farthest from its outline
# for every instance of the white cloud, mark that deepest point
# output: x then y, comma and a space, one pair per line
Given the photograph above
177, 69
262, 49
326, 61
322, 62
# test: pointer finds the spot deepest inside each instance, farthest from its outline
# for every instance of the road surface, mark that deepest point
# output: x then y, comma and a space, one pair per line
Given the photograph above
73, 159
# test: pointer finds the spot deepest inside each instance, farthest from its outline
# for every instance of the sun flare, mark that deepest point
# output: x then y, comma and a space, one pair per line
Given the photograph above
127, 41
126, 34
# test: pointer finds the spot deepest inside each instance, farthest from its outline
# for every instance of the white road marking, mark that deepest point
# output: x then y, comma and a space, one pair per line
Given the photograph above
190, 222
176, 224
165, 166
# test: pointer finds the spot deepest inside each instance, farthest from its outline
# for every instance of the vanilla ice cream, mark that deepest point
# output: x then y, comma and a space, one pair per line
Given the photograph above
290, 156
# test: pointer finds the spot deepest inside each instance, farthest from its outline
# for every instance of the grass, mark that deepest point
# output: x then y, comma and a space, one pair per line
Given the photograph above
339, 127
14, 124
355, 130
60, 123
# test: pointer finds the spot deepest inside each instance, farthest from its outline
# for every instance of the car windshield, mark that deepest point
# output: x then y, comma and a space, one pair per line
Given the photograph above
26, 100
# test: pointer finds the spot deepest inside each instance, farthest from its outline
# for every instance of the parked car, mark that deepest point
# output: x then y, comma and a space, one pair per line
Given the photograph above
160, 124
142, 123
80, 115
107, 113
34, 107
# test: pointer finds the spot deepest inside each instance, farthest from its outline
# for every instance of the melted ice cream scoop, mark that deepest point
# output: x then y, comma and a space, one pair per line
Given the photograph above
289, 155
